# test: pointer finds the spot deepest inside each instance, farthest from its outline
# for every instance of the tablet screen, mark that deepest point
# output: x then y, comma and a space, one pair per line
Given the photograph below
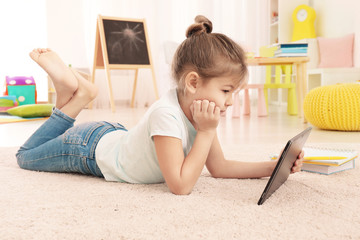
285, 163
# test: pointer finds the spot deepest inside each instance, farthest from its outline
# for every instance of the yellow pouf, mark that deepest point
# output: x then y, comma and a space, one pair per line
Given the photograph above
334, 107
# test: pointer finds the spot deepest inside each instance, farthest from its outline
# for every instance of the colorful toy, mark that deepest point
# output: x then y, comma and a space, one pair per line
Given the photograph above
7, 102
24, 88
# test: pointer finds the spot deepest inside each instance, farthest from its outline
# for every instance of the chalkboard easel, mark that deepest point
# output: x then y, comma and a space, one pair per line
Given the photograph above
122, 44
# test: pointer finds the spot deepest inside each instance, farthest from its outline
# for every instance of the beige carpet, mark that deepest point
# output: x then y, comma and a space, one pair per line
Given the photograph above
37, 205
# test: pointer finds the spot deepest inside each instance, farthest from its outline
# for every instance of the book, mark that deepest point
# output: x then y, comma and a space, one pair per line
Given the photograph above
291, 45
327, 170
291, 50
290, 55
327, 156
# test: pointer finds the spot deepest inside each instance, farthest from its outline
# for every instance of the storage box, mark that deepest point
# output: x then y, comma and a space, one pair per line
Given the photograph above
268, 51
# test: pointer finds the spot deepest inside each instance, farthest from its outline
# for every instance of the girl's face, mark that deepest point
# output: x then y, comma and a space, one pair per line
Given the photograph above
218, 90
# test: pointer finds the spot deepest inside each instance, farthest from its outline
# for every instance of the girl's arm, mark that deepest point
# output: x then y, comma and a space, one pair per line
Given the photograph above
219, 167
180, 172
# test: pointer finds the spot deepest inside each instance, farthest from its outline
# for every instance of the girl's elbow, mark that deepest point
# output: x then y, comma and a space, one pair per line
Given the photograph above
180, 192
217, 175
180, 189
215, 172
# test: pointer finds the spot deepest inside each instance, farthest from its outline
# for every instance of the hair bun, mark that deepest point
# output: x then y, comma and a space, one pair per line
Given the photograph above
201, 25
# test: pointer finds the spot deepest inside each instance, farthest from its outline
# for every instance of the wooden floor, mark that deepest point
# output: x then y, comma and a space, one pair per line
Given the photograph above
277, 127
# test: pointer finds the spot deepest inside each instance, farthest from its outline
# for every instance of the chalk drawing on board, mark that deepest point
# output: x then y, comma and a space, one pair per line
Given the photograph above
122, 44
126, 42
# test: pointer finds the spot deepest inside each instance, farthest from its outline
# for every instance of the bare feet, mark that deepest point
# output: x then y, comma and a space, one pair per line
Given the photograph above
64, 81
85, 93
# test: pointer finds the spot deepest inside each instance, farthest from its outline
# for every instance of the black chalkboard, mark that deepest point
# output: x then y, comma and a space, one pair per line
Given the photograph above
126, 42
122, 44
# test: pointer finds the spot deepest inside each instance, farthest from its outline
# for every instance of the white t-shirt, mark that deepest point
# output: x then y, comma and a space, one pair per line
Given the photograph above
130, 156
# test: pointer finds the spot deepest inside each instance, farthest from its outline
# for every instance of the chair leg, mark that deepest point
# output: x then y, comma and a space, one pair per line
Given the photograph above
262, 110
292, 101
292, 107
266, 96
287, 73
236, 106
278, 74
134, 89
267, 81
246, 103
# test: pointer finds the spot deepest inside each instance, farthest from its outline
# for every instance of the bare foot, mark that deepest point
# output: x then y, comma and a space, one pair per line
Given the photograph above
64, 81
85, 93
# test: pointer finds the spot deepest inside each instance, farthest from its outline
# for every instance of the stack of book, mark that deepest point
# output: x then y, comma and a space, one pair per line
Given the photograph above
328, 161
291, 50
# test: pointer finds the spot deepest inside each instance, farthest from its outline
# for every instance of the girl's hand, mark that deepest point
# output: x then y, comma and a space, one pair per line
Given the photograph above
205, 115
298, 163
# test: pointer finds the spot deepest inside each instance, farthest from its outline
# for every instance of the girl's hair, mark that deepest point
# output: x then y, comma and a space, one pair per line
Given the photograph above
209, 54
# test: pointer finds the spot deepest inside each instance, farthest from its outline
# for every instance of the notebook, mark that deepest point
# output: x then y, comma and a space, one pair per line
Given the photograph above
324, 153
327, 170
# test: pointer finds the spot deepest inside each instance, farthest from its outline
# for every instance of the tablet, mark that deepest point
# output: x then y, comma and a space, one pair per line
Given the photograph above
285, 163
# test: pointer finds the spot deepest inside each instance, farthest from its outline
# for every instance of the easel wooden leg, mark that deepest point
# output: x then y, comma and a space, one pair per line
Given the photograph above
134, 88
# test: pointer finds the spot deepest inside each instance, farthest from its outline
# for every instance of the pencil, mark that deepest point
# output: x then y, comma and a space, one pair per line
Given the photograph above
274, 157
325, 158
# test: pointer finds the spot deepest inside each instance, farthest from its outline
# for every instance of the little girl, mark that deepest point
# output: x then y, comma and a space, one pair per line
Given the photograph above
175, 139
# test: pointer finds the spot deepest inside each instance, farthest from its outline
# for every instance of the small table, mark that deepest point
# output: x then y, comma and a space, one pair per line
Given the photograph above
301, 75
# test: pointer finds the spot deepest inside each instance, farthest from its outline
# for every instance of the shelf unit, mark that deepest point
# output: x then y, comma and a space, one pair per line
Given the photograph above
280, 31
274, 21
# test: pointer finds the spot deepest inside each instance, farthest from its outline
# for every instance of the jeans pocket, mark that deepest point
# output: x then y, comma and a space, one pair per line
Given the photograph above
80, 134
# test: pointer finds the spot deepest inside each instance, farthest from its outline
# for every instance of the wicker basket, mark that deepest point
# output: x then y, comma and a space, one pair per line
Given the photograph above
334, 107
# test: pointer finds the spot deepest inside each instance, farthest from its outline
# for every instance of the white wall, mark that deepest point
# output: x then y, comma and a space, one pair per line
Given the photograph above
336, 18
66, 30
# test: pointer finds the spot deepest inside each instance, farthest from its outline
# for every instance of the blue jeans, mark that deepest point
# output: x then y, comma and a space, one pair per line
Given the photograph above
59, 146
